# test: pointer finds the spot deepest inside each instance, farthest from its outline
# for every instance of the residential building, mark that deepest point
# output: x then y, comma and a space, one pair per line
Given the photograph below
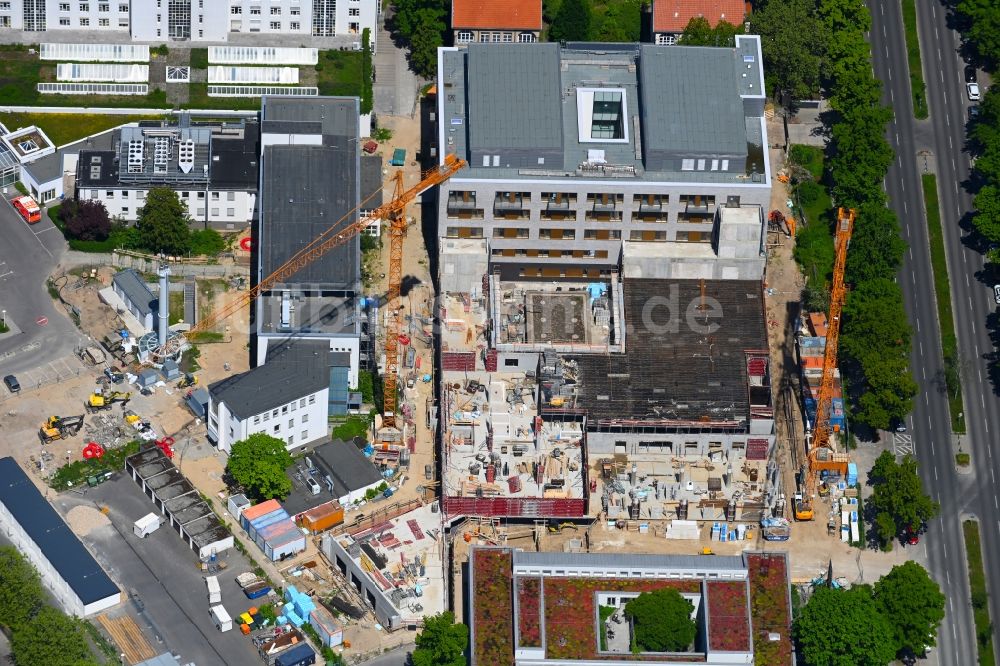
309, 176
500, 21
671, 17
549, 608
197, 20
213, 169
587, 159
68, 571
289, 397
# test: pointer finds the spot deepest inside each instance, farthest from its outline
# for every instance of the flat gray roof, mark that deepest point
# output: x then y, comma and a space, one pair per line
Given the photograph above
690, 100
514, 96
337, 116
703, 562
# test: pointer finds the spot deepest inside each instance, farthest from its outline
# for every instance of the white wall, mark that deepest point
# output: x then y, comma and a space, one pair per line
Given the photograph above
353, 16
307, 416
125, 203
293, 17
115, 19
150, 22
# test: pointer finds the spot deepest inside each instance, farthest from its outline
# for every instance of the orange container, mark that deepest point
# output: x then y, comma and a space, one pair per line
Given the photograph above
245, 629
254, 512
322, 517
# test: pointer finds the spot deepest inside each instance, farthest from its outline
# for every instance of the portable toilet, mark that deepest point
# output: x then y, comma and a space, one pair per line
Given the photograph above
146, 525
222, 620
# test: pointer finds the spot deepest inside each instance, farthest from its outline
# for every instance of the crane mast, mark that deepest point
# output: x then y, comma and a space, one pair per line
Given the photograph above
338, 234
820, 455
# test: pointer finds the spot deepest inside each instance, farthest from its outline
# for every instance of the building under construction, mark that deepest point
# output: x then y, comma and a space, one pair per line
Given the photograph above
651, 397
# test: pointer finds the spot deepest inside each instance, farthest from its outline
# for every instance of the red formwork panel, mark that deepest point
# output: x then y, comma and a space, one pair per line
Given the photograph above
514, 506
491, 360
458, 361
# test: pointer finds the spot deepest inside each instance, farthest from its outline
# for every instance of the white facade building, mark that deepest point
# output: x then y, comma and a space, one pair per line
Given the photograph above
195, 20
288, 397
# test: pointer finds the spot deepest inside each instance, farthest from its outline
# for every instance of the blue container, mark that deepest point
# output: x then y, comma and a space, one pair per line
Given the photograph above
300, 655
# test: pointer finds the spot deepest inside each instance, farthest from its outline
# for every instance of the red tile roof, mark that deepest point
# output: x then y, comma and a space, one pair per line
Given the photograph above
496, 14
672, 16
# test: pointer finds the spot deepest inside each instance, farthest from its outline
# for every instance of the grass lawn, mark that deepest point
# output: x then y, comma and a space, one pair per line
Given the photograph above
917, 87
942, 292
353, 426
199, 58
980, 598
339, 73
199, 99
176, 307
63, 128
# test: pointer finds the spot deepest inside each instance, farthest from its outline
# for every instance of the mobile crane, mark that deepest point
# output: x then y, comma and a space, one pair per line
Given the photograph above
821, 455
393, 213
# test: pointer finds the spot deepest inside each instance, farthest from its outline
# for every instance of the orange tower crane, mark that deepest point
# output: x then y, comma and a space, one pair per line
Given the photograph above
821, 455
393, 213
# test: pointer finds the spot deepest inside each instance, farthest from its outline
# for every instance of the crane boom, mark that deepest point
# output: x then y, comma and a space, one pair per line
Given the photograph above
820, 444
336, 235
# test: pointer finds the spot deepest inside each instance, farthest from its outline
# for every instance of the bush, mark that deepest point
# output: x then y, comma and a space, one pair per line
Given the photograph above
207, 241
85, 220
160, 50
809, 193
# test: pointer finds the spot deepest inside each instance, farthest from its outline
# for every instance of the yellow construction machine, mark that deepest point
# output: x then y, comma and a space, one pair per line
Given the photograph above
59, 427
100, 401
188, 381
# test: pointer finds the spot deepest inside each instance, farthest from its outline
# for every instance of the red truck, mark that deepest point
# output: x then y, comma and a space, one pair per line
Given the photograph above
27, 208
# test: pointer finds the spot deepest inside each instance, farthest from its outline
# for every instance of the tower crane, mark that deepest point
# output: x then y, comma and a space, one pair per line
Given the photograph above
393, 213
821, 455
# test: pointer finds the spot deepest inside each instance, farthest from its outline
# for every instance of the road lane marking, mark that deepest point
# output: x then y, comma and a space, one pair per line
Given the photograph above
947, 120
918, 325
967, 280
921, 343
996, 504
950, 144
932, 448
906, 210
982, 400
942, 71
994, 477
883, 31
973, 326
935, 474
911, 254
902, 185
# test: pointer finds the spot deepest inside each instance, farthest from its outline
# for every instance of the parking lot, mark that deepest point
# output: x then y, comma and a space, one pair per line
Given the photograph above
161, 575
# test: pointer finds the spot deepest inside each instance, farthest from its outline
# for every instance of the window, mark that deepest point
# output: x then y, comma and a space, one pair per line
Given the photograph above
235, 10
506, 37
687, 165
84, 7
275, 11
666, 40
123, 9
230, 212
294, 25
63, 6
276, 428
275, 25
201, 195
464, 36
291, 440
267, 417
606, 120
230, 196
312, 400
642, 235
64, 20
274, 413
84, 22
354, 11
305, 434
294, 406
141, 194
510, 362
123, 22
104, 23
302, 402
602, 234
291, 423
557, 234
215, 196
294, 11
526, 38
109, 194
103, 7
305, 418
256, 419
124, 210
255, 11
510, 232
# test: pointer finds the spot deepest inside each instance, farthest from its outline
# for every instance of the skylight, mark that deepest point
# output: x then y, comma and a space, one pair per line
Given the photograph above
602, 115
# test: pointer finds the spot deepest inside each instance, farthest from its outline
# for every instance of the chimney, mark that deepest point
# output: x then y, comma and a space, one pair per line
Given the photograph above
164, 274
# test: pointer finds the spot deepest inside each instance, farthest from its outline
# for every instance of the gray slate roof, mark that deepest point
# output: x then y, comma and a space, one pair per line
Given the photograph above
53, 537
514, 96
136, 290
346, 465
292, 371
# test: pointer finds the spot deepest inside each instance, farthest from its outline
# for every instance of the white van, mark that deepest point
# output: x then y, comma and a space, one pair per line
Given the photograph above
146, 525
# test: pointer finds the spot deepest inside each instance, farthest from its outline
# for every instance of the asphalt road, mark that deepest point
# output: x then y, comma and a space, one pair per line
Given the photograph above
27, 256
936, 145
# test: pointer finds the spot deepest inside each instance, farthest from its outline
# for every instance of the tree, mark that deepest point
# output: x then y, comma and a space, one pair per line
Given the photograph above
699, 32
258, 463
791, 44
876, 245
427, 38
573, 22
85, 220
51, 638
163, 223
442, 642
982, 27
898, 492
21, 593
662, 621
914, 606
621, 22
843, 628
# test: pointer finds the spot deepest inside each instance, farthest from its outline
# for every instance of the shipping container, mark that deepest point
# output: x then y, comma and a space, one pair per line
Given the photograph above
300, 655
221, 618
259, 523
285, 545
322, 517
258, 510
818, 323
273, 530
329, 630
214, 591
236, 505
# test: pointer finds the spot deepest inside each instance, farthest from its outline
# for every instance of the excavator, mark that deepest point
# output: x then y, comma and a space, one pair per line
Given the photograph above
98, 402
188, 381
821, 455
343, 230
60, 427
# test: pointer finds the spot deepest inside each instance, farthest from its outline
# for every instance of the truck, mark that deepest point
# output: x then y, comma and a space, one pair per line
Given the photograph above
146, 525
252, 585
214, 591
221, 618
27, 209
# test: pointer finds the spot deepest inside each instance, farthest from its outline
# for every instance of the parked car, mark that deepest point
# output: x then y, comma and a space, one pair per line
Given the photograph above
899, 425
973, 91
973, 112
996, 293
12, 384
970, 74
911, 536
